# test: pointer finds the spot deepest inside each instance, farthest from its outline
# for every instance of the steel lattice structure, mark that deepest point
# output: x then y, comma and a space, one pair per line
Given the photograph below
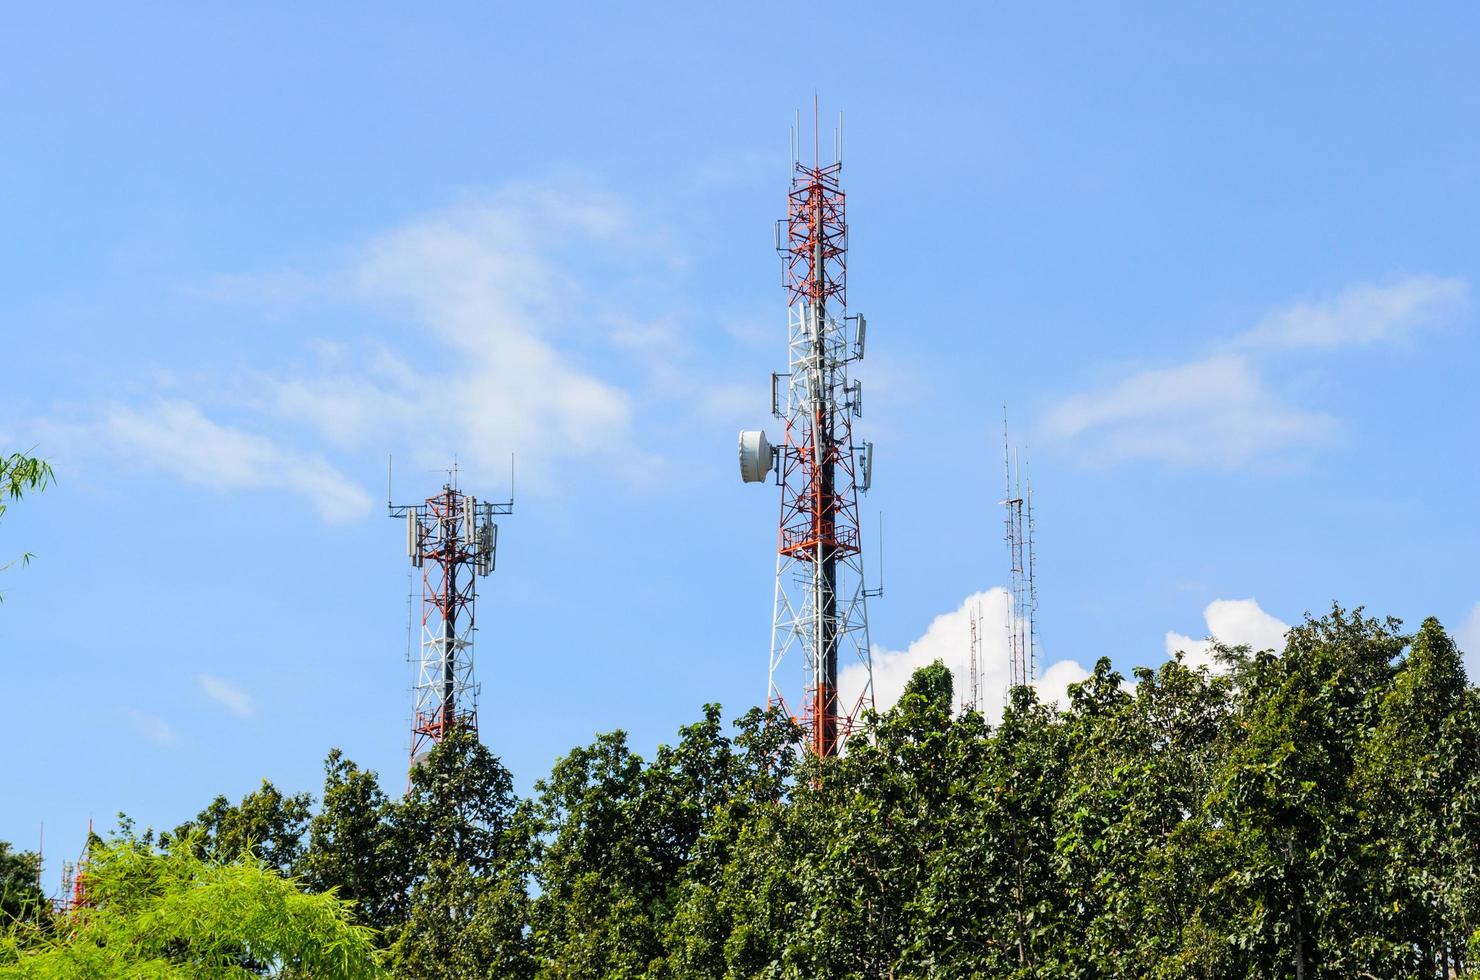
1022, 611
973, 672
453, 539
820, 613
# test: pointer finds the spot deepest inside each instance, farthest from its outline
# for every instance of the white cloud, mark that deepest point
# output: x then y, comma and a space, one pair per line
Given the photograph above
1219, 410
1214, 412
488, 292
1053, 686
1232, 622
177, 437
948, 639
230, 697
1467, 638
497, 350
152, 727
1363, 314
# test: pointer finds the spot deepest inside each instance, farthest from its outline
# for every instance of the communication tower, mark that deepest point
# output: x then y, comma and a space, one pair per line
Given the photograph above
452, 538
1022, 612
973, 669
73, 894
820, 613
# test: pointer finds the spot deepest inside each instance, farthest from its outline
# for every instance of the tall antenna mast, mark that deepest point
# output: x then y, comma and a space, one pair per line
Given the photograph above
453, 539
820, 611
973, 702
1022, 594
1032, 603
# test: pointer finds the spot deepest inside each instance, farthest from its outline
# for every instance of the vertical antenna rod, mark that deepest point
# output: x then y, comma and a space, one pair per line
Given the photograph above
1032, 606
973, 702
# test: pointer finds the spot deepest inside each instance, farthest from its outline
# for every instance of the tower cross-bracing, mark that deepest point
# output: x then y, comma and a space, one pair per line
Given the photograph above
1022, 590
453, 539
820, 621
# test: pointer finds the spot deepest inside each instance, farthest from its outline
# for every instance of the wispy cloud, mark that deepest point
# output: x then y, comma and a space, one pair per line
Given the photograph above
1214, 412
1220, 410
492, 346
224, 693
177, 438
1362, 314
489, 291
150, 726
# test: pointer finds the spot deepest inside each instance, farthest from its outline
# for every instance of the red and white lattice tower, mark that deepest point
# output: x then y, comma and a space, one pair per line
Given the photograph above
73, 896
820, 616
453, 539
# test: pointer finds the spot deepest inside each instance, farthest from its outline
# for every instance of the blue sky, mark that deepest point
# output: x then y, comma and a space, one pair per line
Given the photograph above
1219, 262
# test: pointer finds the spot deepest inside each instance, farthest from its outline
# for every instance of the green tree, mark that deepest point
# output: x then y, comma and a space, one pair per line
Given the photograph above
932, 682
597, 867
1416, 821
175, 915
463, 851
985, 901
20, 888
1283, 804
870, 816
20, 474
265, 823
463, 925
618, 836
1312, 813
353, 846
737, 900
1127, 824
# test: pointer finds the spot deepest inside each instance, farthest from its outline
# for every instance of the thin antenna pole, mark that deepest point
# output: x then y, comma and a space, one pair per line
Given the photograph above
1021, 564
971, 671
1012, 651
1032, 587
1018, 641
878, 590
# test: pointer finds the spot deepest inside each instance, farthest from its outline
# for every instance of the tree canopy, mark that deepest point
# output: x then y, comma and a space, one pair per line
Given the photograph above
172, 914
1311, 813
